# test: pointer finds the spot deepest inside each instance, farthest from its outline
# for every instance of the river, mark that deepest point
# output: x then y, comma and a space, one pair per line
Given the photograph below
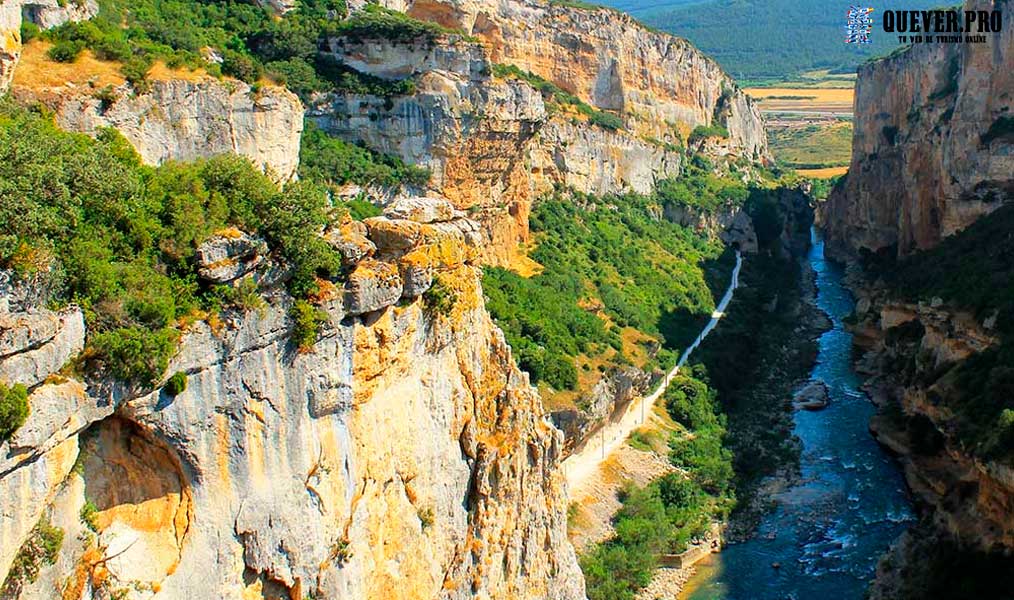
828, 530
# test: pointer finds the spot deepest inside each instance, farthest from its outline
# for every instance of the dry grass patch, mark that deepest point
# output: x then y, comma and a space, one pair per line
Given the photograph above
823, 173
37, 71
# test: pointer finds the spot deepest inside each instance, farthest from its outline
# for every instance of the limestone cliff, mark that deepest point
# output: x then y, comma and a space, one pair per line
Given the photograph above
932, 149
495, 143
10, 41
402, 456
183, 117
611, 61
910, 351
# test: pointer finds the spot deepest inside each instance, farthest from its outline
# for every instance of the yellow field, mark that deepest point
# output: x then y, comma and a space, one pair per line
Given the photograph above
817, 94
823, 173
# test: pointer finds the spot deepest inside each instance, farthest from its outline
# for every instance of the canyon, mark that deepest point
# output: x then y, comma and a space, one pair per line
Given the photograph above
931, 183
401, 454
396, 449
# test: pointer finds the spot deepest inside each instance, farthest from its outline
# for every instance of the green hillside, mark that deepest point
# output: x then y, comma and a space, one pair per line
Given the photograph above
754, 39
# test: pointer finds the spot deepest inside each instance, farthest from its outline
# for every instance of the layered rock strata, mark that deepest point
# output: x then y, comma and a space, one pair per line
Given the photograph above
403, 455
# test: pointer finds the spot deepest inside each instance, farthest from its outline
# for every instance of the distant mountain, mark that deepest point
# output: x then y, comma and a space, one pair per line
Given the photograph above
757, 39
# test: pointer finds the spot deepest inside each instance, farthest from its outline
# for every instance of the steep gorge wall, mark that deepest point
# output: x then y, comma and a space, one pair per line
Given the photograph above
403, 456
612, 62
929, 152
185, 119
494, 145
911, 351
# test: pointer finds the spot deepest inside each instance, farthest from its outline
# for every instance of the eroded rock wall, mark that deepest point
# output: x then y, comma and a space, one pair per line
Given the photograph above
187, 118
404, 455
924, 161
608, 59
911, 351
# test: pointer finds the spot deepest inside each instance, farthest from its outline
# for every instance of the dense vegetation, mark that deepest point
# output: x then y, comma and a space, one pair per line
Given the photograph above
700, 188
250, 41
120, 237
971, 270
617, 253
557, 98
755, 39
665, 516
760, 428
333, 162
732, 430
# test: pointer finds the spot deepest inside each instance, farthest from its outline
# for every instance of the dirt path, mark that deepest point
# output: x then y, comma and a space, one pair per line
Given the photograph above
580, 465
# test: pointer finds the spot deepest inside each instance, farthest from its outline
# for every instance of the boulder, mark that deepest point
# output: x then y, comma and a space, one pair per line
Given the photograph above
229, 255
812, 396
372, 286
421, 210
394, 237
351, 242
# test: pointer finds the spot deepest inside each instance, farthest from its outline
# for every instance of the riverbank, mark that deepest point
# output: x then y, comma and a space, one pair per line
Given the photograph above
913, 352
823, 530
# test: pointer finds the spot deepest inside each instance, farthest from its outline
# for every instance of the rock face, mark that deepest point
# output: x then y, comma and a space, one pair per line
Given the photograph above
403, 456
494, 145
10, 41
52, 13
229, 255
970, 498
609, 60
187, 119
929, 153
594, 160
471, 131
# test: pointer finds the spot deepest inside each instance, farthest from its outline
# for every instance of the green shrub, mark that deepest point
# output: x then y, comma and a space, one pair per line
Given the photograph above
13, 409
378, 23
177, 384
440, 298
307, 319
240, 66
332, 162
88, 515
705, 131
65, 51
29, 31
606, 120
134, 353
41, 547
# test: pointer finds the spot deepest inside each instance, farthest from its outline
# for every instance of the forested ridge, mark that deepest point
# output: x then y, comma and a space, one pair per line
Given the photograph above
756, 39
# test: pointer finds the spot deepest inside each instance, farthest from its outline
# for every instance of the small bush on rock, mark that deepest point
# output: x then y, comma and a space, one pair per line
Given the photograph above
177, 384
307, 319
13, 409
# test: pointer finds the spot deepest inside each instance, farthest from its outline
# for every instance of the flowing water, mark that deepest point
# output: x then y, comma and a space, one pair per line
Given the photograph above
827, 531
